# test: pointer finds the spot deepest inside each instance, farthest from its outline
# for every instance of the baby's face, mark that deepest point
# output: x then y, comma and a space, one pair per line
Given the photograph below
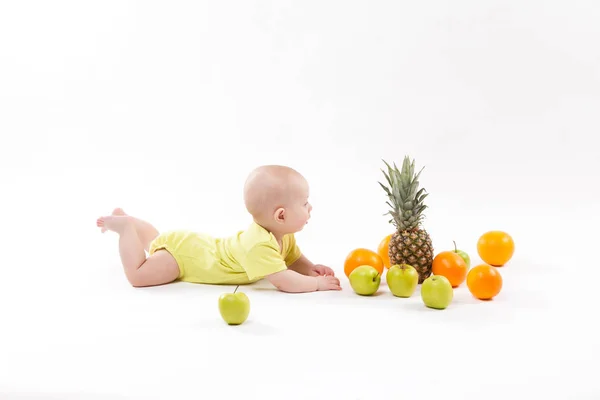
298, 208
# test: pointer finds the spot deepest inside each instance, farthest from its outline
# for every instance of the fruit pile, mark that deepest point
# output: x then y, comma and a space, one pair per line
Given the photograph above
409, 257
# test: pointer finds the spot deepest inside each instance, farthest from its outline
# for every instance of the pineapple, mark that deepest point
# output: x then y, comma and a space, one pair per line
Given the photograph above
410, 244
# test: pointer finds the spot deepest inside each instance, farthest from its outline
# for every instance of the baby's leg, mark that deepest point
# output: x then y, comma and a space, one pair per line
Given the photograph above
158, 269
145, 231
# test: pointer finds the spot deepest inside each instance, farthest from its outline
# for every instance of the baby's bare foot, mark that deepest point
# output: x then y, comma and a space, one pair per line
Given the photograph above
114, 223
116, 211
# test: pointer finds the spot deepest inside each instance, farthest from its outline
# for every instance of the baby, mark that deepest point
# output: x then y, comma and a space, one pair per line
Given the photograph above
276, 197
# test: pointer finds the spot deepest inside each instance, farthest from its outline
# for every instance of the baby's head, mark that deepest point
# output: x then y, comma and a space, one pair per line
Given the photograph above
277, 198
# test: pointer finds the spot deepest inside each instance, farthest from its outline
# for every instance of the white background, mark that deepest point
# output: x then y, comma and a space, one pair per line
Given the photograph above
162, 108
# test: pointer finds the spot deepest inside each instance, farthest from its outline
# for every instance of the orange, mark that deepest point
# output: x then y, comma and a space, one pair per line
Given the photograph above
383, 250
450, 265
495, 247
358, 257
484, 281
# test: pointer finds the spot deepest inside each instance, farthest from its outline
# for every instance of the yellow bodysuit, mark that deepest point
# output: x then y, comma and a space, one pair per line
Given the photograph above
245, 257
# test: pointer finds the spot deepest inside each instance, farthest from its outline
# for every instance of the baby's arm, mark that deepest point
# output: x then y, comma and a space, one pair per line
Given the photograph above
293, 282
305, 267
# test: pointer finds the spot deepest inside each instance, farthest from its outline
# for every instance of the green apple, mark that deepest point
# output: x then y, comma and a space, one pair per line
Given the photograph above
365, 280
437, 292
463, 255
402, 279
234, 307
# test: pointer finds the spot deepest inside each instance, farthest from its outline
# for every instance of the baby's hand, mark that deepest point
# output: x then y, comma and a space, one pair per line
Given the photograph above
322, 270
328, 283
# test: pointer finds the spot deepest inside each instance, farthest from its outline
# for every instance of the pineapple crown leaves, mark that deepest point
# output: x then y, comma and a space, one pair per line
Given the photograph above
405, 197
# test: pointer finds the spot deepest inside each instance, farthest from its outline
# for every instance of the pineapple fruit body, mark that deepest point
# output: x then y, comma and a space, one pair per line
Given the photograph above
412, 247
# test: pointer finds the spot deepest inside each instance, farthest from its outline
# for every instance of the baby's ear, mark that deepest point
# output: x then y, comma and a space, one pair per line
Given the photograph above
280, 215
